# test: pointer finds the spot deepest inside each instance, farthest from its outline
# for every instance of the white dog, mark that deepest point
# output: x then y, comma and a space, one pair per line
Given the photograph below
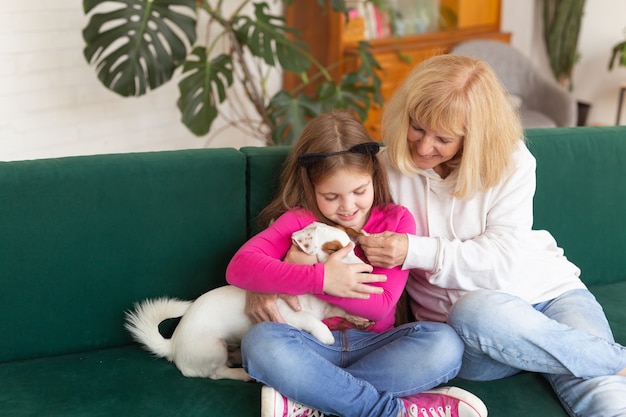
321, 240
215, 322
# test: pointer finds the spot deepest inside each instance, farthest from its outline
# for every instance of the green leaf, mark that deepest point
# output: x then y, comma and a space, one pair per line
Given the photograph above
618, 50
289, 116
138, 45
203, 88
337, 5
349, 94
369, 69
266, 37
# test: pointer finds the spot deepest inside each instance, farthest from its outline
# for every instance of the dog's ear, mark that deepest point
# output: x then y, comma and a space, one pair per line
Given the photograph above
331, 247
352, 234
305, 240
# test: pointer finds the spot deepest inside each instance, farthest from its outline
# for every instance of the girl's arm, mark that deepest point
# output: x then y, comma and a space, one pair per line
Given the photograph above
257, 266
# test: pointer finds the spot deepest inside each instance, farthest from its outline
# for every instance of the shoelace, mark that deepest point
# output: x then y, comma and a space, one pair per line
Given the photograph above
414, 411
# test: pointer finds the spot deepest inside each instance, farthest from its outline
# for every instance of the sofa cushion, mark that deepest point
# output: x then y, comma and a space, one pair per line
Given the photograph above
125, 381
85, 237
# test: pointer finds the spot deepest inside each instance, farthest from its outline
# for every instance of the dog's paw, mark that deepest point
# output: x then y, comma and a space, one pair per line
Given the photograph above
328, 339
359, 322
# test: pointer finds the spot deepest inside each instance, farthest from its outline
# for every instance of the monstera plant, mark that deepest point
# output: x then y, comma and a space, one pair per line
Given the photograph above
138, 45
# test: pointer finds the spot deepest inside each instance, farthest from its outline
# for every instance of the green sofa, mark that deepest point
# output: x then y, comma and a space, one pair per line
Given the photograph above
83, 238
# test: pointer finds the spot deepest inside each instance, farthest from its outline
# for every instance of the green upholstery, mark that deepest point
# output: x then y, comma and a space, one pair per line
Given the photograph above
262, 176
83, 238
581, 196
118, 382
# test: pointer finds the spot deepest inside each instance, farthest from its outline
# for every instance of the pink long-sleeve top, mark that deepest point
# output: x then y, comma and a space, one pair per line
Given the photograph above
258, 266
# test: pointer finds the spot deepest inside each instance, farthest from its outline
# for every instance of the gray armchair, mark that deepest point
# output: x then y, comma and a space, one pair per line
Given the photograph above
541, 100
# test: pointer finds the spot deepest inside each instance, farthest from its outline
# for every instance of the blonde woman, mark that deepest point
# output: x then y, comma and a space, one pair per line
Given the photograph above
456, 158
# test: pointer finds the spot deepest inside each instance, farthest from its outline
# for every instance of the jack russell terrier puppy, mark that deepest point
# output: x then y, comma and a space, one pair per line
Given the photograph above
215, 322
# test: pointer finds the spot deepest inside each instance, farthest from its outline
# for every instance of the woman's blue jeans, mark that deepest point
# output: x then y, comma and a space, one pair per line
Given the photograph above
361, 374
567, 339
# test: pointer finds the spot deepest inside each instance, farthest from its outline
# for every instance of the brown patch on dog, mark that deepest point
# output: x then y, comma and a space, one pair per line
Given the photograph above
331, 247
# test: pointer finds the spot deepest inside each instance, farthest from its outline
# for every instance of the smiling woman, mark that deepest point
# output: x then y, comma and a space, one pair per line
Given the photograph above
476, 255
431, 150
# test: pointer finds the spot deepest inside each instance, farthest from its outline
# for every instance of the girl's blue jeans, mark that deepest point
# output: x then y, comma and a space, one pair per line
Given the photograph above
567, 339
361, 374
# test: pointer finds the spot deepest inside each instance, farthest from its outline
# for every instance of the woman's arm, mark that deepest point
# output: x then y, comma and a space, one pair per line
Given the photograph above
491, 255
468, 244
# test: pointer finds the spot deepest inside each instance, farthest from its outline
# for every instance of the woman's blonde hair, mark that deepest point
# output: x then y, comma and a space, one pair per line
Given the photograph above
331, 132
458, 96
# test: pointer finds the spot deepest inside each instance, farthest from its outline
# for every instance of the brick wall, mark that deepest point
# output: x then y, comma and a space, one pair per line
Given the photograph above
52, 104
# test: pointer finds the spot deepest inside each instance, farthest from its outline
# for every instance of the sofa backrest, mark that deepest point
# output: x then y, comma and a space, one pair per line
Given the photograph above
264, 166
581, 196
83, 238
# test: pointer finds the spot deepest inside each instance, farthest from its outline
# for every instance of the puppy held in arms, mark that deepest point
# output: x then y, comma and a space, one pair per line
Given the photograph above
215, 322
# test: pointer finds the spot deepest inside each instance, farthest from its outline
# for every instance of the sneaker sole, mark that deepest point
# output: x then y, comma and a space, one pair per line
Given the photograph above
268, 397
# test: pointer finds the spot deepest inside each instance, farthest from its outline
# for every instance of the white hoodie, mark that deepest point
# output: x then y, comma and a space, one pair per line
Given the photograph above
485, 241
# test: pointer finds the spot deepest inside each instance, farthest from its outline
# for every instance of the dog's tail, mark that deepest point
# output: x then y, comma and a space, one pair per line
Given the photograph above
143, 323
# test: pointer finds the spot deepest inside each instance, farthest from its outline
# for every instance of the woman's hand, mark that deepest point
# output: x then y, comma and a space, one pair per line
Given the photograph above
263, 307
349, 280
386, 250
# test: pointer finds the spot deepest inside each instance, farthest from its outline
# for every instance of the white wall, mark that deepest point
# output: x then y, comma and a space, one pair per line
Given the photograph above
603, 26
51, 103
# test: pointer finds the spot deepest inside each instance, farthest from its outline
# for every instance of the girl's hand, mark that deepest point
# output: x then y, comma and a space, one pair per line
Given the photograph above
262, 307
349, 280
385, 250
297, 256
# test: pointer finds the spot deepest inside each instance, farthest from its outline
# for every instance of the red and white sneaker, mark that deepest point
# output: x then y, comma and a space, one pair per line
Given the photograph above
444, 402
274, 404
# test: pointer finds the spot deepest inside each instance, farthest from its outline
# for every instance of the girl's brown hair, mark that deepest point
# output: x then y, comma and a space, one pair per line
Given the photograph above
331, 132
458, 96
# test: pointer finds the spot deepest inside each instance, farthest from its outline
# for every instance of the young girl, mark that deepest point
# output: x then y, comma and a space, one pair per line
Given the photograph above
457, 159
333, 175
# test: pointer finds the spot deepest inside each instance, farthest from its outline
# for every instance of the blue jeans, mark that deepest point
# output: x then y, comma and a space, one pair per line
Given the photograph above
361, 374
567, 339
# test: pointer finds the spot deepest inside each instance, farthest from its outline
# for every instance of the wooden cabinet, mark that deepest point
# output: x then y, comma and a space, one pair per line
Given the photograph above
333, 40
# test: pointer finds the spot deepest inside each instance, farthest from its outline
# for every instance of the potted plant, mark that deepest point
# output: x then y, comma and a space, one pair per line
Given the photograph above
562, 20
561, 28
138, 45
